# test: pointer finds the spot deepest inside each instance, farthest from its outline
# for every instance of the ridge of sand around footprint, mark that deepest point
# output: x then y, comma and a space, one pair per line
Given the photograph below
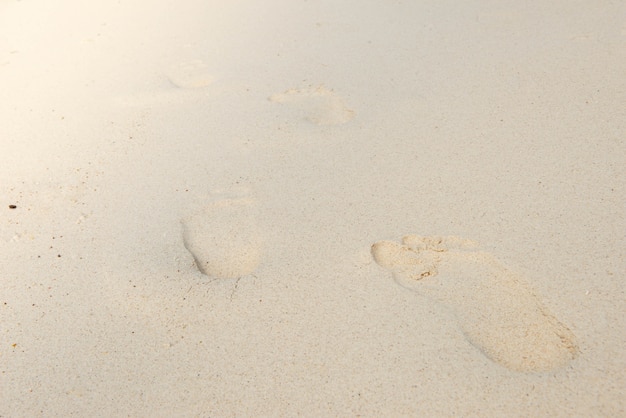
320, 105
224, 239
497, 310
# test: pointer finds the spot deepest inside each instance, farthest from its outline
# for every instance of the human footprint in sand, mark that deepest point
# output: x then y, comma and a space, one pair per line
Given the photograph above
223, 239
496, 309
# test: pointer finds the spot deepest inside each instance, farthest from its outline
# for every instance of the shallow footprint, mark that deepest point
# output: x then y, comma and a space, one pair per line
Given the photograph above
320, 105
224, 239
190, 75
497, 310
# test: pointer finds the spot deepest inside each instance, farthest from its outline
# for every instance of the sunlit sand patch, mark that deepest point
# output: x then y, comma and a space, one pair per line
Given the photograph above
320, 105
497, 310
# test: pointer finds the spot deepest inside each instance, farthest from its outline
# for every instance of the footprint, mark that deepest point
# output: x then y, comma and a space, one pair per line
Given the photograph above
224, 239
497, 310
190, 75
319, 104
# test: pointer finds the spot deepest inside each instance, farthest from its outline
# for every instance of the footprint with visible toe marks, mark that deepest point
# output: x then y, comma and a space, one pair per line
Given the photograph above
497, 310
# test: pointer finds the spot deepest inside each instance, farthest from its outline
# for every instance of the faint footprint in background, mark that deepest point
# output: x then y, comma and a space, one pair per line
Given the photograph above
319, 104
224, 239
183, 77
496, 309
190, 75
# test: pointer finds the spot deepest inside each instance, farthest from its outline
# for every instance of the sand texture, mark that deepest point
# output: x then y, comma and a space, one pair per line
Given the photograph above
312, 208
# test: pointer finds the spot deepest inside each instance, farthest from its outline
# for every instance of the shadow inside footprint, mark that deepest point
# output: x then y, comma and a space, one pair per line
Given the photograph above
224, 239
496, 309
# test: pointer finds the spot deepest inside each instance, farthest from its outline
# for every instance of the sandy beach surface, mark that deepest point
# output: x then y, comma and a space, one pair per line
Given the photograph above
312, 208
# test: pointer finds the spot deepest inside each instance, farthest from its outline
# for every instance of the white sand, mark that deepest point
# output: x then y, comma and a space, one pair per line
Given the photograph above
321, 128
